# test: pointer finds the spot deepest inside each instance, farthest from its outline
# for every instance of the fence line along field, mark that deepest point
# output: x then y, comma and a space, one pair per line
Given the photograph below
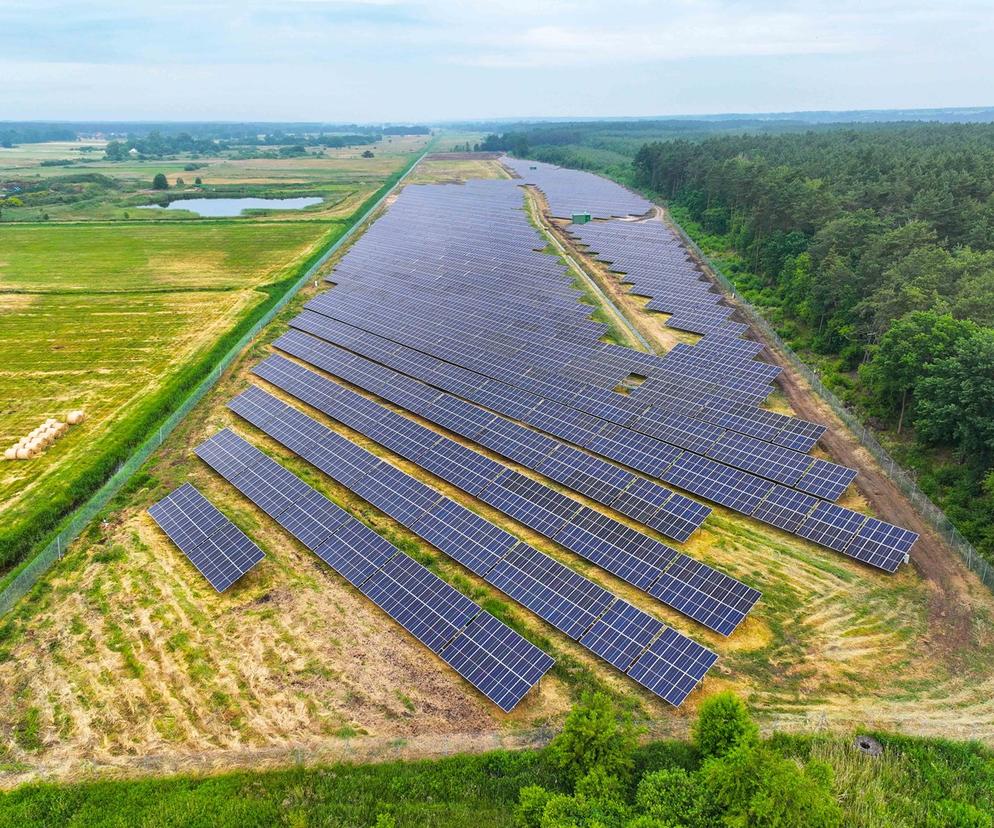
125, 652
119, 318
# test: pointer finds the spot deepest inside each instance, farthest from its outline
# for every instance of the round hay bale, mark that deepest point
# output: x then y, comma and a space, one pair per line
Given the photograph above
75, 417
24, 454
10, 454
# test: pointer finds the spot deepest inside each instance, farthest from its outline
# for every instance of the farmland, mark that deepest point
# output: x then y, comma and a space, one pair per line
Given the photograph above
120, 318
122, 652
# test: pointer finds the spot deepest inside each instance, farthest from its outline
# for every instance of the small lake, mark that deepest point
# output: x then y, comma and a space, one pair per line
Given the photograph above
226, 207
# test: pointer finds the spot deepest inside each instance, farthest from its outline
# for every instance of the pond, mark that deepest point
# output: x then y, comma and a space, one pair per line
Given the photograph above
226, 207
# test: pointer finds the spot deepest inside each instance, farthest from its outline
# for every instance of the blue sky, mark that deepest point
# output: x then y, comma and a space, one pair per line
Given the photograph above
403, 60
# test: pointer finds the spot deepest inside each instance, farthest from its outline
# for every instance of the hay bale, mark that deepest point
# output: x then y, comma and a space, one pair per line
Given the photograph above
75, 417
24, 454
10, 454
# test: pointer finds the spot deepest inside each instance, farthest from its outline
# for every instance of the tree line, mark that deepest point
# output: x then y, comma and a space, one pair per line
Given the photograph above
875, 246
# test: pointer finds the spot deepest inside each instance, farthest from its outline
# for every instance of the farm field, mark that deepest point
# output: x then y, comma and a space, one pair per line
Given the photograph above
123, 659
119, 318
101, 190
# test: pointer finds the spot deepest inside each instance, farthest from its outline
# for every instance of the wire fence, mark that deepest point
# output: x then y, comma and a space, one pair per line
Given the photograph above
28, 573
933, 515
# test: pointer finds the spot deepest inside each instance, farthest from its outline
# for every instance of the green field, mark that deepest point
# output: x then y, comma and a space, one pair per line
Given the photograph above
122, 318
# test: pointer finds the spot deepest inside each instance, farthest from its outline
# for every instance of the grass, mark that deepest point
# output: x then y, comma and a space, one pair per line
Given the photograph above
122, 321
913, 782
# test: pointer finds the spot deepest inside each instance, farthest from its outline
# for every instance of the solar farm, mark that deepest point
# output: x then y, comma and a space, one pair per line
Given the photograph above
434, 502
436, 310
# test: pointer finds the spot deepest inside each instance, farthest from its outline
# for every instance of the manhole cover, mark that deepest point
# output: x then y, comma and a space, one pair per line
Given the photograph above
868, 745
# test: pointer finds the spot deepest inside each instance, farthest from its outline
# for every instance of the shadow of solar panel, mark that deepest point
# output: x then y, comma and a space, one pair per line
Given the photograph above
785, 508
632, 556
554, 592
220, 551
420, 601
831, 525
679, 517
882, 545
621, 634
711, 480
827, 480
639, 451
530, 502
710, 597
464, 536
672, 666
462, 467
590, 476
516, 442
501, 664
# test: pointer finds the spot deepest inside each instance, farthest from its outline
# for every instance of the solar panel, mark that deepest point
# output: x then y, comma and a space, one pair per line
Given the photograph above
825, 479
496, 660
831, 525
620, 550
881, 544
785, 508
554, 592
622, 634
708, 596
420, 601
491, 656
220, 551
465, 536
672, 666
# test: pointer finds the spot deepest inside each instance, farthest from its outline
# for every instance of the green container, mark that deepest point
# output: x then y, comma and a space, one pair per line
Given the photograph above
581, 218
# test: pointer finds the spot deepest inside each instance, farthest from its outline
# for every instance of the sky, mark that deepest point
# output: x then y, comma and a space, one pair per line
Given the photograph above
425, 60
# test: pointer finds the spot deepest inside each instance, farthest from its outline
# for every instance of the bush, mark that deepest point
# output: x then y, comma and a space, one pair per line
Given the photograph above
595, 735
723, 724
668, 795
159, 182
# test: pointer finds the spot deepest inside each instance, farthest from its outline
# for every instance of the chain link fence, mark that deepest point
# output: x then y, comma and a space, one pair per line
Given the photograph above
935, 517
27, 574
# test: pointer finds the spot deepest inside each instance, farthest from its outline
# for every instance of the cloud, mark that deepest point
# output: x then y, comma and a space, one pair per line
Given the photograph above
341, 58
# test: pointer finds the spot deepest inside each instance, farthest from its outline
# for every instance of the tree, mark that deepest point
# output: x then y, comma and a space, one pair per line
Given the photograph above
159, 182
905, 353
367, 154
723, 724
594, 735
955, 402
668, 795
198, 181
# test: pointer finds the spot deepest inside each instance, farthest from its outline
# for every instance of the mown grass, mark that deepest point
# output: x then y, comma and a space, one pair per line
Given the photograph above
907, 786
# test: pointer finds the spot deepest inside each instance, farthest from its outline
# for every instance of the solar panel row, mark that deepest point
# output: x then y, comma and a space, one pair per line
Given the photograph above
215, 546
730, 487
492, 657
714, 599
563, 598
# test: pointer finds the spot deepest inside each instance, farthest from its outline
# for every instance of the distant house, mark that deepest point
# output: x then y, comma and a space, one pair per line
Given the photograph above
133, 152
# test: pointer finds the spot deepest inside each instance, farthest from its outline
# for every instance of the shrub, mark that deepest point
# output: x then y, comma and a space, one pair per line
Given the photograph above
595, 735
159, 182
723, 724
